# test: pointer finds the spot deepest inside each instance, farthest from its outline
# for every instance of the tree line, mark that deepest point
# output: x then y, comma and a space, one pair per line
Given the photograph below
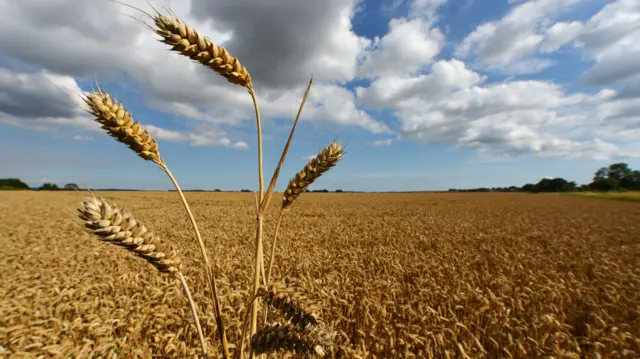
17, 184
615, 177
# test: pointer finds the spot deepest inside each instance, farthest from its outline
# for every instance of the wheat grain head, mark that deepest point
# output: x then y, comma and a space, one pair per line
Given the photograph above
291, 305
324, 160
188, 42
119, 124
275, 337
117, 226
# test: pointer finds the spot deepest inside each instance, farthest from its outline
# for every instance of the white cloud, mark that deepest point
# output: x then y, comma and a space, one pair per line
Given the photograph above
445, 76
387, 142
436, 100
82, 138
611, 38
560, 34
95, 37
515, 118
202, 136
501, 45
47, 180
409, 45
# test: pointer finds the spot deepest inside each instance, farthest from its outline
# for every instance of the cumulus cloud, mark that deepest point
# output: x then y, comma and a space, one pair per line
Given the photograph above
560, 34
20, 92
41, 100
501, 45
387, 142
95, 37
203, 136
445, 76
512, 119
410, 44
282, 50
611, 38
434, 99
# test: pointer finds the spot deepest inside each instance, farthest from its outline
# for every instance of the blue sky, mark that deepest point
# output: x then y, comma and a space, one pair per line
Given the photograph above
427, 94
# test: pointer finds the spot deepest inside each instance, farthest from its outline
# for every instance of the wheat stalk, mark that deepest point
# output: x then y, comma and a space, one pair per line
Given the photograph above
188, 42
119, 124
114, 225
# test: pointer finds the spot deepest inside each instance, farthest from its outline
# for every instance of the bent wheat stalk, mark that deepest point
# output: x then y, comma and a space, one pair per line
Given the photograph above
327, 158
119, 124
117, 226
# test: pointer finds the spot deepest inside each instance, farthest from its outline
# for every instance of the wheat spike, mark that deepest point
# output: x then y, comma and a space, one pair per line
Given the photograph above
275, 337
290, 305
119, 124
324, 160
191, 44
118, 226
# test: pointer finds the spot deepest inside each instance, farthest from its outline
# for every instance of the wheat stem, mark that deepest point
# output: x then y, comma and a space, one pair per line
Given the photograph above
273, 246
208, 268
259, 126
259, 261
194, 312
256, 277
276, 173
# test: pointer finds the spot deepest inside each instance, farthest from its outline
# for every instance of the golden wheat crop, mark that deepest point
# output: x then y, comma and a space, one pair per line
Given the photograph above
393, 275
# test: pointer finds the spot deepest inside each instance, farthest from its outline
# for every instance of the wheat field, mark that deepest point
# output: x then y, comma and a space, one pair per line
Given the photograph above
394, 275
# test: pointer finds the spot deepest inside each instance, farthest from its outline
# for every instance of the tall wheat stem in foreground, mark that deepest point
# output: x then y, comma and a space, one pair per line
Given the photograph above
188, 42
114, 225
120, 125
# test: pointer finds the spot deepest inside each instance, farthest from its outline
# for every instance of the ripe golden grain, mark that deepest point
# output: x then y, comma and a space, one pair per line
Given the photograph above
117, 226
290, 304
395, 275
119, 124
324, 160
277, 337
188, 42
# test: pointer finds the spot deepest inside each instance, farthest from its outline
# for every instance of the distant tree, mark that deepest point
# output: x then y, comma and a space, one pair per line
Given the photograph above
245, 190
339, 191
605, 184
217, 190
49, 187
616, 177
13, 183
71, 187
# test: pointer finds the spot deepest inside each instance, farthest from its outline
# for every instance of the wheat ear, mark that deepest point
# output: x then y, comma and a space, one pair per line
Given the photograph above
291, 306
188, 42
327, 158
324, 160
114, 225
275, 337
120, 125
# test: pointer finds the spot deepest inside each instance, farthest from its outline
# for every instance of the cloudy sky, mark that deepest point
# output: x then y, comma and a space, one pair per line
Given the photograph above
427, 94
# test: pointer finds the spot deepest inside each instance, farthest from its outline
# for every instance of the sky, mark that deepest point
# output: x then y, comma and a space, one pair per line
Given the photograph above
426, 94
